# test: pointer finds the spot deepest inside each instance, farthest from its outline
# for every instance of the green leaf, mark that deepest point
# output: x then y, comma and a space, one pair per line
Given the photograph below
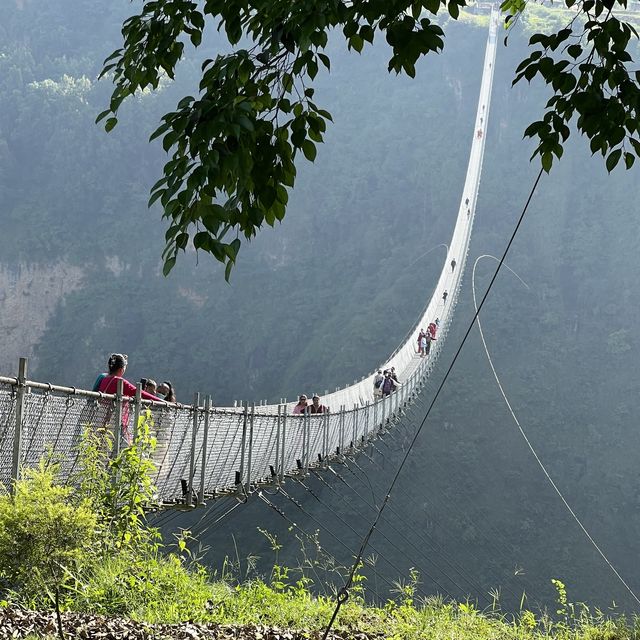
325, 61
159, 131
356, 42
227, 270
629, 159
103, 115
613, 159
309, 150
636, 145
155, 197
533, 129
245, 123
201, 240
169, 263
110, 123
574, 50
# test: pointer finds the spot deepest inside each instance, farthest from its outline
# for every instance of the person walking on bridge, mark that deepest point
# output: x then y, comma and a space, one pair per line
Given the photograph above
302, 406
420, 345
453, 265
116, 366
444, 297
377, 384
428, 340
388, 384
316, 407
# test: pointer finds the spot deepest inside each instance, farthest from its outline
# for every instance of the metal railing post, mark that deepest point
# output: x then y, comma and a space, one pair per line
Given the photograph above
117, 427
308, 441
247, 485
284, 438
366, 420
278, 426
375, 415
300, 455
192, 460
136, 410
341, 429
205, 448
243, 445
17, 436
355, 426
325, 437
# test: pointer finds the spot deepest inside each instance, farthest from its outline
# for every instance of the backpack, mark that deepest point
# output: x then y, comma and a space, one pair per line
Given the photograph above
387, 385
377, 383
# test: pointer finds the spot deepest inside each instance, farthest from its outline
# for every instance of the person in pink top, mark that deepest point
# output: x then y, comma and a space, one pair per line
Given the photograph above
302, 406
117, 365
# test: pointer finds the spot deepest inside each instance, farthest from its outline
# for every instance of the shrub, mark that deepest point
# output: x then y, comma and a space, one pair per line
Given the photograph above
45, 539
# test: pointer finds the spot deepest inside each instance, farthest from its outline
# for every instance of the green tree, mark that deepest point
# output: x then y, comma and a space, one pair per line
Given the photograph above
235, 146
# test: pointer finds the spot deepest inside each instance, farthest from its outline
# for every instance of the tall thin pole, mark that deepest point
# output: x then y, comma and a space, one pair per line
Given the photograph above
247, 485
192, 460
276, 465
375, 415
325, 439
205, 448
303, 421
17, 436
307, 452
117, 427
243, 445
355, 426
137, 408
342, 429
366, 420
284, 439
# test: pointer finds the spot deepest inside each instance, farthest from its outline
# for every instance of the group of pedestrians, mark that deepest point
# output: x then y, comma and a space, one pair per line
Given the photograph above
303, 405
116, 366
164, 390
425, 338
385, 383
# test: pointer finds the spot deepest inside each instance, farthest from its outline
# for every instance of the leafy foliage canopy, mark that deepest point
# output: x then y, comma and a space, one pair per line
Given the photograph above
234, 146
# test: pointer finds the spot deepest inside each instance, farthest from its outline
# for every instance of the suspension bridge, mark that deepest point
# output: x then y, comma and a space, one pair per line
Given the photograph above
203, 451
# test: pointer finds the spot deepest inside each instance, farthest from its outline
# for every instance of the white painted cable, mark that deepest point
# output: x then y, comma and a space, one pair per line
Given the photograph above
526, 439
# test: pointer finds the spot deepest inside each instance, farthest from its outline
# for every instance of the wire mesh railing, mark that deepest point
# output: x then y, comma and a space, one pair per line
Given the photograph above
201, 451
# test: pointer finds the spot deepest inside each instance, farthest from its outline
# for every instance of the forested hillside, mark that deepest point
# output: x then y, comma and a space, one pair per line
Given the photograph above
321, 299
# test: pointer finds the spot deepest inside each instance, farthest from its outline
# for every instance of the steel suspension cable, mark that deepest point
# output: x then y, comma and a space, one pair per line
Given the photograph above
406, 539
335, 537
395, 546
307, 535
425, 540
344, 592
534, 452
490, 540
